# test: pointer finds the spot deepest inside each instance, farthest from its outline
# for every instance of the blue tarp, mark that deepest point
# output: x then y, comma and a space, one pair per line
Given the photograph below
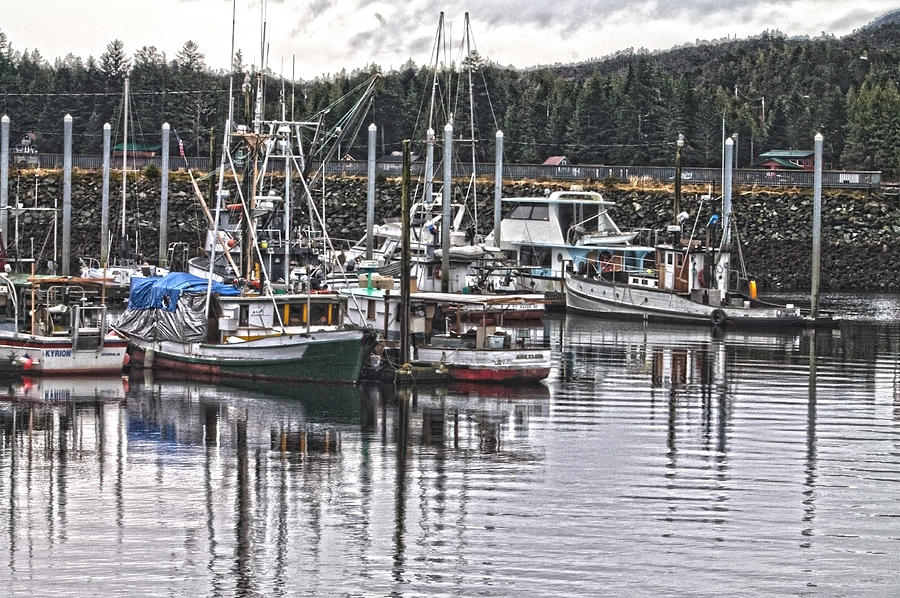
163, 292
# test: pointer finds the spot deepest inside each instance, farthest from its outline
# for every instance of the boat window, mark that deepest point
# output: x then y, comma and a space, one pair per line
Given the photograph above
530, 212
540, 212
319, 313
536, 256
244, 315
520, 213
370, 310
669, 260
566, 219
295, 315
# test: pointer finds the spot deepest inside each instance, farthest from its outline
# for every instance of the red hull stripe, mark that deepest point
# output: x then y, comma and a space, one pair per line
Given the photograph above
493, 375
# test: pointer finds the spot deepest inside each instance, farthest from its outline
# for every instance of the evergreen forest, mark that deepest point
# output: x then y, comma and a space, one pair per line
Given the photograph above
773, 91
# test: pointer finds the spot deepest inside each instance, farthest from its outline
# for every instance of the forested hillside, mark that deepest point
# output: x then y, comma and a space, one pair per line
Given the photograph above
774, 92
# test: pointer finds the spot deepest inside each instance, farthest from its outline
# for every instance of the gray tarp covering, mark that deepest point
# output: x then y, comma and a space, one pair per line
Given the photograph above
187, 324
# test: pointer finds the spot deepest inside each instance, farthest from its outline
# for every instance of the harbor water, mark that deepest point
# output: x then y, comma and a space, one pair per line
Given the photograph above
655, 460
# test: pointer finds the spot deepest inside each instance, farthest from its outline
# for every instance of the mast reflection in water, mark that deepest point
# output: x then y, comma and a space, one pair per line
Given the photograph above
655, 460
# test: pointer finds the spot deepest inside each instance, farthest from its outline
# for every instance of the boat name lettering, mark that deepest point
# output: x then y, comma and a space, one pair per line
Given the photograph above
57, 395
529, 356
57, 352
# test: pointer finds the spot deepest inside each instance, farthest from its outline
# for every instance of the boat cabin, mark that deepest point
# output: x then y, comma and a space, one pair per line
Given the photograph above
548, 233
255, 316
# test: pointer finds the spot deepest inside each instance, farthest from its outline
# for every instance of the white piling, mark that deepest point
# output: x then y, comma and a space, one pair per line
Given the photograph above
445, 221
164, 197
370, 191
67, 196
817, 226
104, 205
429, 165
498, 184
726, 193
4, 176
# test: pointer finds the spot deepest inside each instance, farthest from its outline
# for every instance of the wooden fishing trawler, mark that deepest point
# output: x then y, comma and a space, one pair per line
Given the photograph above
696, 274
185, 323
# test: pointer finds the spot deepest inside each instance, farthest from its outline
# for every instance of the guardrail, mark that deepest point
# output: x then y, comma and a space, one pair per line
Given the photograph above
848, 179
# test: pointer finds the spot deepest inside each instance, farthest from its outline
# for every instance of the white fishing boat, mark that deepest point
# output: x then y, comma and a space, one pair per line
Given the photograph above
485, 353
689, 277
544, 235
379, 308
65, 334
464, 335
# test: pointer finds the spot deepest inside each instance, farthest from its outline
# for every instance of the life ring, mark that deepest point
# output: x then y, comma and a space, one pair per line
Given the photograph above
436, 272
606, 264
718, 317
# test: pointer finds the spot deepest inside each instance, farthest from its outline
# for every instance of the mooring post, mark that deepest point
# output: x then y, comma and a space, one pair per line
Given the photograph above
498, 184
4, 177
164, 198
429, 165
445, 221
104, 202
404, 257
726, 193
679, 144
816, 227
67, 196
370, 191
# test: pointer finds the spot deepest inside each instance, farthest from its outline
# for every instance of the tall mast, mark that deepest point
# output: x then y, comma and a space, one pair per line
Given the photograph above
471, 115
124, 155
437, 60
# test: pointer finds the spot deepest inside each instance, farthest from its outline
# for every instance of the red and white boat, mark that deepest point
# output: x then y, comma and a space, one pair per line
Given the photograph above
482, 351
480, 356
64, 335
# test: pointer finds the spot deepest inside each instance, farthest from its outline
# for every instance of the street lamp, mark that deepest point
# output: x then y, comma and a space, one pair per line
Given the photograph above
678, 145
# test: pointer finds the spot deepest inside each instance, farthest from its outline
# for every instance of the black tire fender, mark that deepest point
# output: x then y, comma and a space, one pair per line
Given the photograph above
718, 317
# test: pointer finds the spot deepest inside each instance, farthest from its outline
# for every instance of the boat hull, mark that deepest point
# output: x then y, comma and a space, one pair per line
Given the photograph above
45, 355
329, 356
600, 297
490, 365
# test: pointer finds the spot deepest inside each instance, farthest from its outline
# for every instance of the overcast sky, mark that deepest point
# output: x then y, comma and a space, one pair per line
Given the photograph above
325, 36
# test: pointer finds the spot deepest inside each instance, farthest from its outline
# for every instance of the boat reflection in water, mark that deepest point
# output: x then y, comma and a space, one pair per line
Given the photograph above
57, 390
675, 355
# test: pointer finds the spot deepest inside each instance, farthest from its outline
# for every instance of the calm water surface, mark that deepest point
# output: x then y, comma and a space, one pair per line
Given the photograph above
654, 461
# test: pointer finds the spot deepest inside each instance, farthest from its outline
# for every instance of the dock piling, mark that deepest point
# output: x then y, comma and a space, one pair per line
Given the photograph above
164, 197
4, 176
104, 205
67, 196
816, 226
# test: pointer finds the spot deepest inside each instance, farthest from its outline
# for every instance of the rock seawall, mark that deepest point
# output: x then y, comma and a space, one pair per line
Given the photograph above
860, 231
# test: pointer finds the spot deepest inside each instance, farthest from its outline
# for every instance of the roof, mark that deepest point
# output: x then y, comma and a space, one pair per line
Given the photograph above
565, 197
139, 147
453, 298
555, 160
397, 157
787, 154
783, 163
